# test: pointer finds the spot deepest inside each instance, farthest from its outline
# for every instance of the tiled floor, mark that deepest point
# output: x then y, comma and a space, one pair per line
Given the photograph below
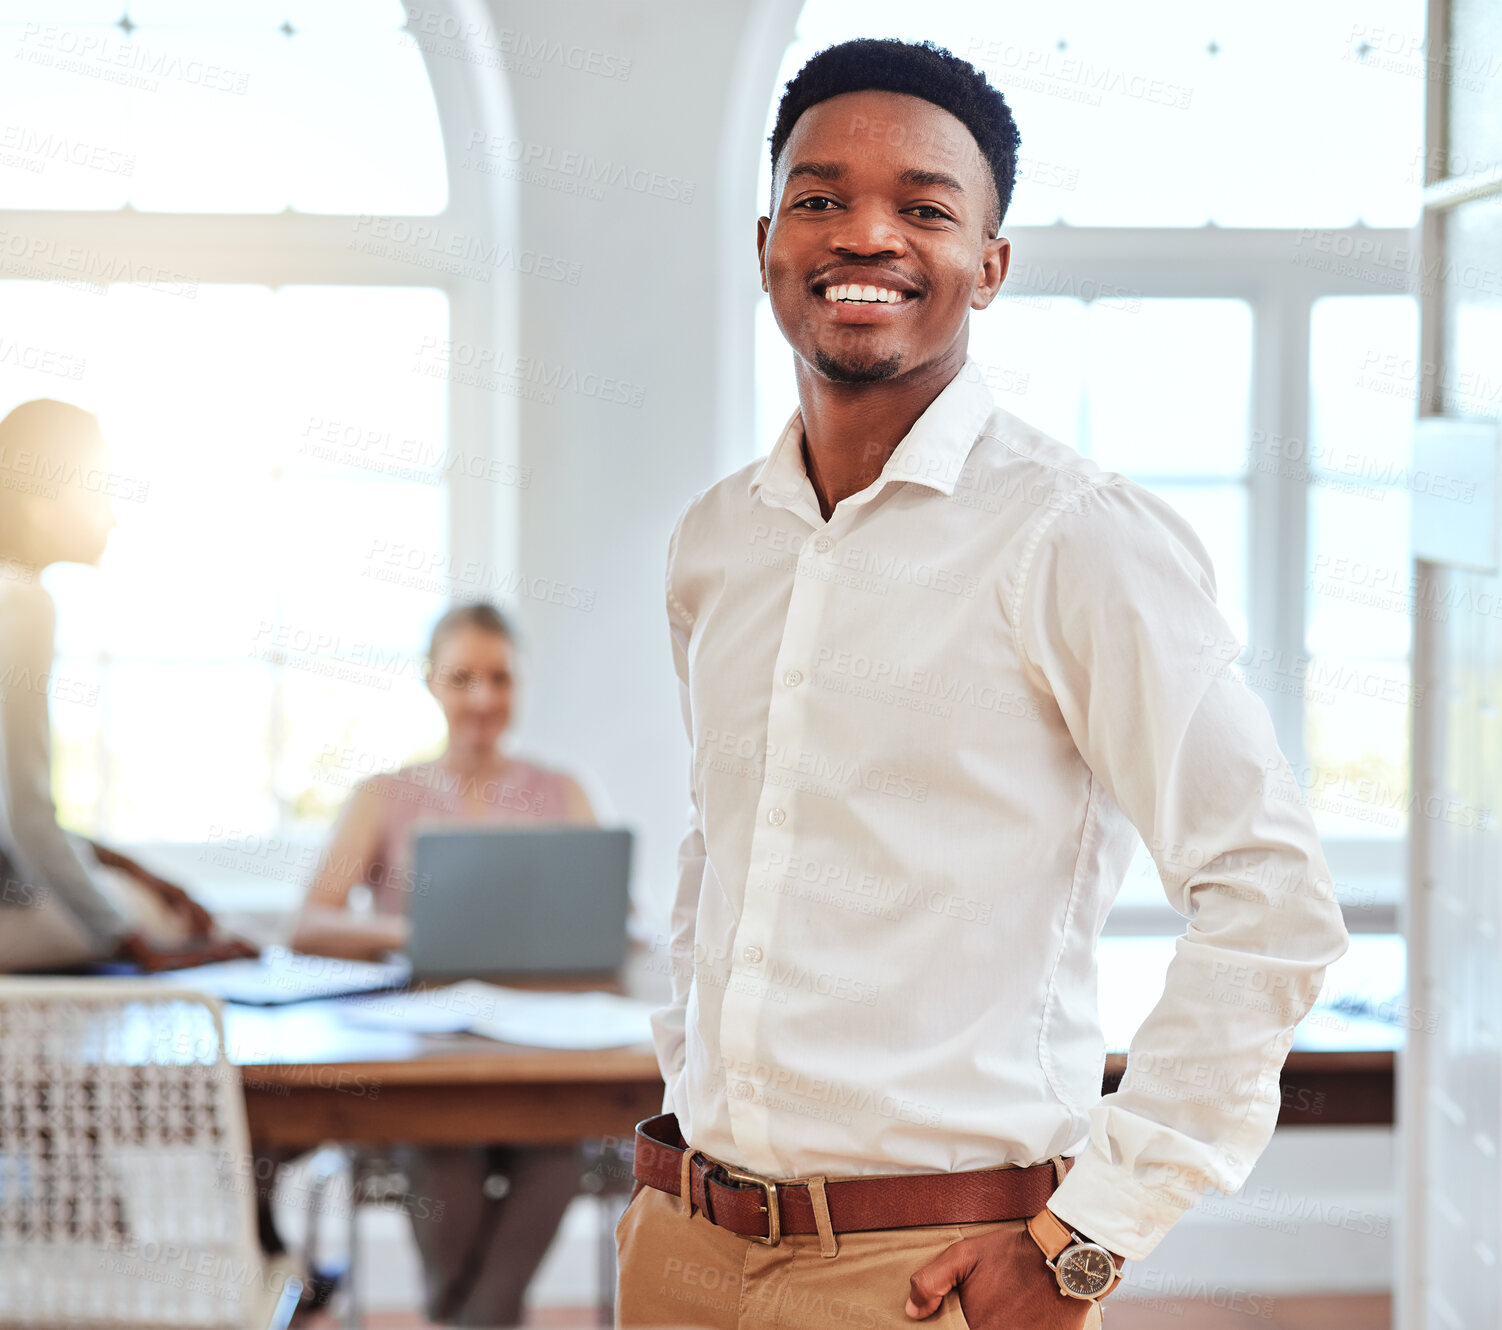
1349, 1313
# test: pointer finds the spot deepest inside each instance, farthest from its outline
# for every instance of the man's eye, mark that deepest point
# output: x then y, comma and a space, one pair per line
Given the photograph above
816, 198
934, 214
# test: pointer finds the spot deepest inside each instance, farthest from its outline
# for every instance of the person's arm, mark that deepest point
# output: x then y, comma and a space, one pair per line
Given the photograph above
577, 802
668, 1022
1116, 618
27, 621
199, 922
326, 926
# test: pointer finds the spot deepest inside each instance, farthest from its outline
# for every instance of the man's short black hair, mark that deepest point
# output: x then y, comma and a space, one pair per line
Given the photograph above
919, 69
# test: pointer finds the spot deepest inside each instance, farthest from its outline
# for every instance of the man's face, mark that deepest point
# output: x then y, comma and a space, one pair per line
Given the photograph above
879, 189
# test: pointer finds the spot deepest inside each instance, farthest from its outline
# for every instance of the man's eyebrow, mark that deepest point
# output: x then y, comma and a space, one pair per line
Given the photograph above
818, 170
914, 175
917, 176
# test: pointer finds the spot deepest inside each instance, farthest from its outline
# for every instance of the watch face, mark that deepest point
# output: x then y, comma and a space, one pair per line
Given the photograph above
1085, 1270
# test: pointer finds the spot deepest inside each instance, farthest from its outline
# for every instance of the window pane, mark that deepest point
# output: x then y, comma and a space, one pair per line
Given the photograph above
1169, 385
224, 108
1357, 717
1363, 390
1360, 578
1134, 116
1031, 348
188, 748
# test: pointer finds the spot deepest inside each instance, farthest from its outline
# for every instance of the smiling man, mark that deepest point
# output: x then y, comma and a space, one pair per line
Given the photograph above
940, 673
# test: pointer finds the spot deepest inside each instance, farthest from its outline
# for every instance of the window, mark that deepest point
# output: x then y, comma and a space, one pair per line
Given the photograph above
206, 241
174, 106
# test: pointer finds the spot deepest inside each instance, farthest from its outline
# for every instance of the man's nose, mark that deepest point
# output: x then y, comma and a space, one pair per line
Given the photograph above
867, 230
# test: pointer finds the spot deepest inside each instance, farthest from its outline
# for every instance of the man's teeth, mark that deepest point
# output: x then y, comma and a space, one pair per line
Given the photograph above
863, 294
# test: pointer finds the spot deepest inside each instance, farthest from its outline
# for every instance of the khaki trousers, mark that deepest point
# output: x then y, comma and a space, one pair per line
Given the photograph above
678, 1269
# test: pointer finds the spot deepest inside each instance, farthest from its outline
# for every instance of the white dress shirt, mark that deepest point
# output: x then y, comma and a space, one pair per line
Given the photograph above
927, 735
61, 861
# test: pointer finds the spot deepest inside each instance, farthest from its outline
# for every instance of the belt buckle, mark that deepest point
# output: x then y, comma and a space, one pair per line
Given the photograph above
774, 1215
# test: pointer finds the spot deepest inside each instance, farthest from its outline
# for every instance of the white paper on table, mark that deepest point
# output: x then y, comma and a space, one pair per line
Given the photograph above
554, 1019
423, 1012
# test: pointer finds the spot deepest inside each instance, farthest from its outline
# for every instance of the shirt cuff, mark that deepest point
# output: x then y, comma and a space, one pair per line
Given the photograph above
1102, 1201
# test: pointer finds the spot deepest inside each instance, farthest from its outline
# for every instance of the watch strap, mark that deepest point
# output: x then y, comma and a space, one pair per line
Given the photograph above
1053, 1237
1049, 1233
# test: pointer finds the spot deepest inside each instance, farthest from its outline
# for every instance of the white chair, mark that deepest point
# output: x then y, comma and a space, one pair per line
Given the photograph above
127, 1189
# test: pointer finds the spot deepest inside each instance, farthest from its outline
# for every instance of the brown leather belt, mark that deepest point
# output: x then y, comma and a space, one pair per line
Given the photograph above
765, 1208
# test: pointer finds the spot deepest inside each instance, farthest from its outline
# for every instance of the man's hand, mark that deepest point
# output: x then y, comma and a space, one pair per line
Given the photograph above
1002, 1283
150, 957
198, 921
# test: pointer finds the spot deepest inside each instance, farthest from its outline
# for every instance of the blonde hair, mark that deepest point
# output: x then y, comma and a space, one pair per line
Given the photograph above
482, 615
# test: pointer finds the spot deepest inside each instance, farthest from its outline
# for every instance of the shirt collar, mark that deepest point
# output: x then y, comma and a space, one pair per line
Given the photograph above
932, 453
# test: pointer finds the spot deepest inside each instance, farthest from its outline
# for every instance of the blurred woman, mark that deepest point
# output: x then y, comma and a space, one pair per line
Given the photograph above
490, 1211
60, 905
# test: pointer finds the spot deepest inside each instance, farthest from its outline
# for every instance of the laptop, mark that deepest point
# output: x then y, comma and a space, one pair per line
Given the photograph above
499, 901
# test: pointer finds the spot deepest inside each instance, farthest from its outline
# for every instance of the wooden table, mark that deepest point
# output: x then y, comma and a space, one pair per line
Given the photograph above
309, 1078
367, 1088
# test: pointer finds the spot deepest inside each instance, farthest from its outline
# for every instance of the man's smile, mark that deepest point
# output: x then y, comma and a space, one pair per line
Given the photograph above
856, 294
852, 292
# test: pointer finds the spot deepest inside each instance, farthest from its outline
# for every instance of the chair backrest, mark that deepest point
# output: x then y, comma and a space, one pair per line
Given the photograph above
127, 1188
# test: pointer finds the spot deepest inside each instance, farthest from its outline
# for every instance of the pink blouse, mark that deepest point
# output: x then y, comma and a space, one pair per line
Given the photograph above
425, 793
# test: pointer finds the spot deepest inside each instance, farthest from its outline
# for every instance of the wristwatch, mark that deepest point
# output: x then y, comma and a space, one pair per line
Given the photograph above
1083, 1268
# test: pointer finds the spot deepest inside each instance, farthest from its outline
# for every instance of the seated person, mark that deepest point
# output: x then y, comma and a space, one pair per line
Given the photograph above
68, 900
492, 1211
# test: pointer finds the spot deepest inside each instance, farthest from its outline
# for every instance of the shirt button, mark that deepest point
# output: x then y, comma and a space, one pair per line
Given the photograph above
752, 955
823, 544
776, 817
793, 678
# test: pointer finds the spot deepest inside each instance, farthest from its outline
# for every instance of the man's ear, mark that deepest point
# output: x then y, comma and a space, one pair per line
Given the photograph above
763, 225
996, 258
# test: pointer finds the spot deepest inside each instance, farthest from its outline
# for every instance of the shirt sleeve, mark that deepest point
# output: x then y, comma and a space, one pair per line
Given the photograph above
1115, 616
668, 1022
51, 853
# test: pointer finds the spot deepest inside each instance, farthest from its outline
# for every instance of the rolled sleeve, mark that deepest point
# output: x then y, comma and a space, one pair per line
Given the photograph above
1115, 615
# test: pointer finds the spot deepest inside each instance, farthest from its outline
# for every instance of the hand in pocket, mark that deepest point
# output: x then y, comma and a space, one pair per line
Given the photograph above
1002, 1283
